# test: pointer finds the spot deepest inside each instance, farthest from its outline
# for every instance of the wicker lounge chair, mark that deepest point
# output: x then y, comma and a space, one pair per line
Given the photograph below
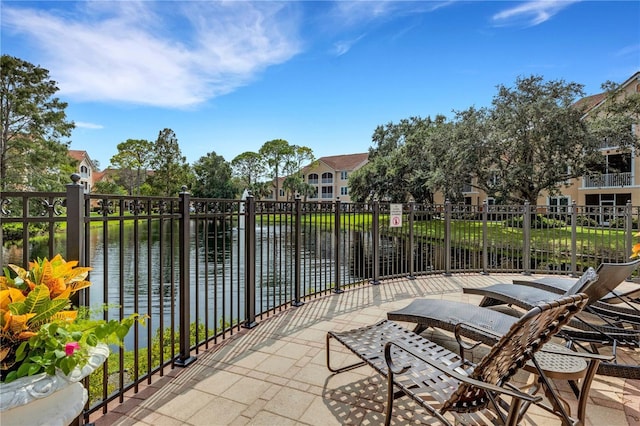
445, 315
616, 304
596, 328
617, 273
443, 382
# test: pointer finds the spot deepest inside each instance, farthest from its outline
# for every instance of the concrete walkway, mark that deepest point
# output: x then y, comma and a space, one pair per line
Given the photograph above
276, 374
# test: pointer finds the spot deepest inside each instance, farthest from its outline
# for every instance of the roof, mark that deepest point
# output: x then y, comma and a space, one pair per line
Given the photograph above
594, 101
590, 101
77, 155
345, 162
80, 156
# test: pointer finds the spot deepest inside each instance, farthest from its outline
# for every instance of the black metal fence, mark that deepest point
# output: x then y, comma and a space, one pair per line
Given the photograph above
202, 269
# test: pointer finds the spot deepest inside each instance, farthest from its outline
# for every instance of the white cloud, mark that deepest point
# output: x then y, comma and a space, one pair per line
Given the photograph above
169, 54
628, 50
358, 15
357, 12
85, 125
343, 46
531, 13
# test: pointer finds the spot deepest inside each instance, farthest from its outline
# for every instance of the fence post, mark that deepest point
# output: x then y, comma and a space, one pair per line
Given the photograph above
249, 263
75, 232
185, 358
336, 248
574, 239
628, 228
375, 237
485, 246
75, 221
447, 238
526, 239
412, 275
297, 255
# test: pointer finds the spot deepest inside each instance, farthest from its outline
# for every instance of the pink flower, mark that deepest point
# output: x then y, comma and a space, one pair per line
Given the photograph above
71, 347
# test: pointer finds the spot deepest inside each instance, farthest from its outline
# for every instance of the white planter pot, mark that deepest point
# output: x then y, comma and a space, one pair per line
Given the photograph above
48, 400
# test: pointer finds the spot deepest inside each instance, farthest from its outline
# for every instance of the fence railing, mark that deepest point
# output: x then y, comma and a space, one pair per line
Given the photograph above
202, 269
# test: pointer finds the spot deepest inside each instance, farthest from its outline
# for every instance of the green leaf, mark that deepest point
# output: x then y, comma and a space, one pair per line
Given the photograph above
23, 370
20, 352
67, 364
11, 376
33, 369
17, 308
37, 299
92, 339
48, 309
122, 331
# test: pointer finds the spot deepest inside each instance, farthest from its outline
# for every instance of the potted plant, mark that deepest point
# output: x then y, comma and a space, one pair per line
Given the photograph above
46, 344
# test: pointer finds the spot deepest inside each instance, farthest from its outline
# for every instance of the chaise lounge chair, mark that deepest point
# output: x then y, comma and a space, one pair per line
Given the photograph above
445, 315
616, 304
527, 296
617, 273
443, 382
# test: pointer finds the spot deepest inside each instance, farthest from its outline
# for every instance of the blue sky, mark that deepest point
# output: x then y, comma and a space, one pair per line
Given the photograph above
228, 76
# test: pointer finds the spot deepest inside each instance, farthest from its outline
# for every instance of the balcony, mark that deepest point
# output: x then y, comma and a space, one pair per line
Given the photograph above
607, 180
276, 373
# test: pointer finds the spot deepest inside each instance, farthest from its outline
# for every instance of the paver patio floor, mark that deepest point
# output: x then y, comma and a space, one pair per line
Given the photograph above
276, 374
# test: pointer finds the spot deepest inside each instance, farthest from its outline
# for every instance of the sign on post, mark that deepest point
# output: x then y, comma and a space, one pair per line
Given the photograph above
395, 216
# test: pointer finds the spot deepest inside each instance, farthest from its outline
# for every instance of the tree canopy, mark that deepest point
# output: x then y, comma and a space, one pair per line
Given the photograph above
533, 138
132, 160
249, 167
170, 168
212, 177
32, 121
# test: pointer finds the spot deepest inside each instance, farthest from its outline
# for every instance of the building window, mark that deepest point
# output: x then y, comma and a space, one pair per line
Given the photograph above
558, 204
313, 179
281, 191
327, 177
344, 175
327, 192
344, 190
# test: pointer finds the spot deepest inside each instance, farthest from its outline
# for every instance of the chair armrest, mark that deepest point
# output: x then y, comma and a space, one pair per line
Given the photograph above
477, 328
448, 371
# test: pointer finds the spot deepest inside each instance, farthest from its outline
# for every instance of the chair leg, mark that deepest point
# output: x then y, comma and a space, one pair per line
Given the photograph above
514, 413
584, 389
390, 399
341, 369
557, 403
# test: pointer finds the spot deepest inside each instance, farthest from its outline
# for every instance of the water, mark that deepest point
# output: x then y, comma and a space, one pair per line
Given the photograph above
141, 269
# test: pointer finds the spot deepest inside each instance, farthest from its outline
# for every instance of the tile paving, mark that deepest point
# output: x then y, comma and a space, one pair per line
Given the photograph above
275, 374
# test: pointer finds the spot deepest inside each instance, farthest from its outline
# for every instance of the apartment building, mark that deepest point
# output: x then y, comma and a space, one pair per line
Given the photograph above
618, 181
615, 184
329, 176
86, 168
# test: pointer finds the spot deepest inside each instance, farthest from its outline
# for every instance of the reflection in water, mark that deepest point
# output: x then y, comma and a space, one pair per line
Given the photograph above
140, 266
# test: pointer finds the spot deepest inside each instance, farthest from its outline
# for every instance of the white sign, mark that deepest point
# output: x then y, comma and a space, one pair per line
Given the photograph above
395, 215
